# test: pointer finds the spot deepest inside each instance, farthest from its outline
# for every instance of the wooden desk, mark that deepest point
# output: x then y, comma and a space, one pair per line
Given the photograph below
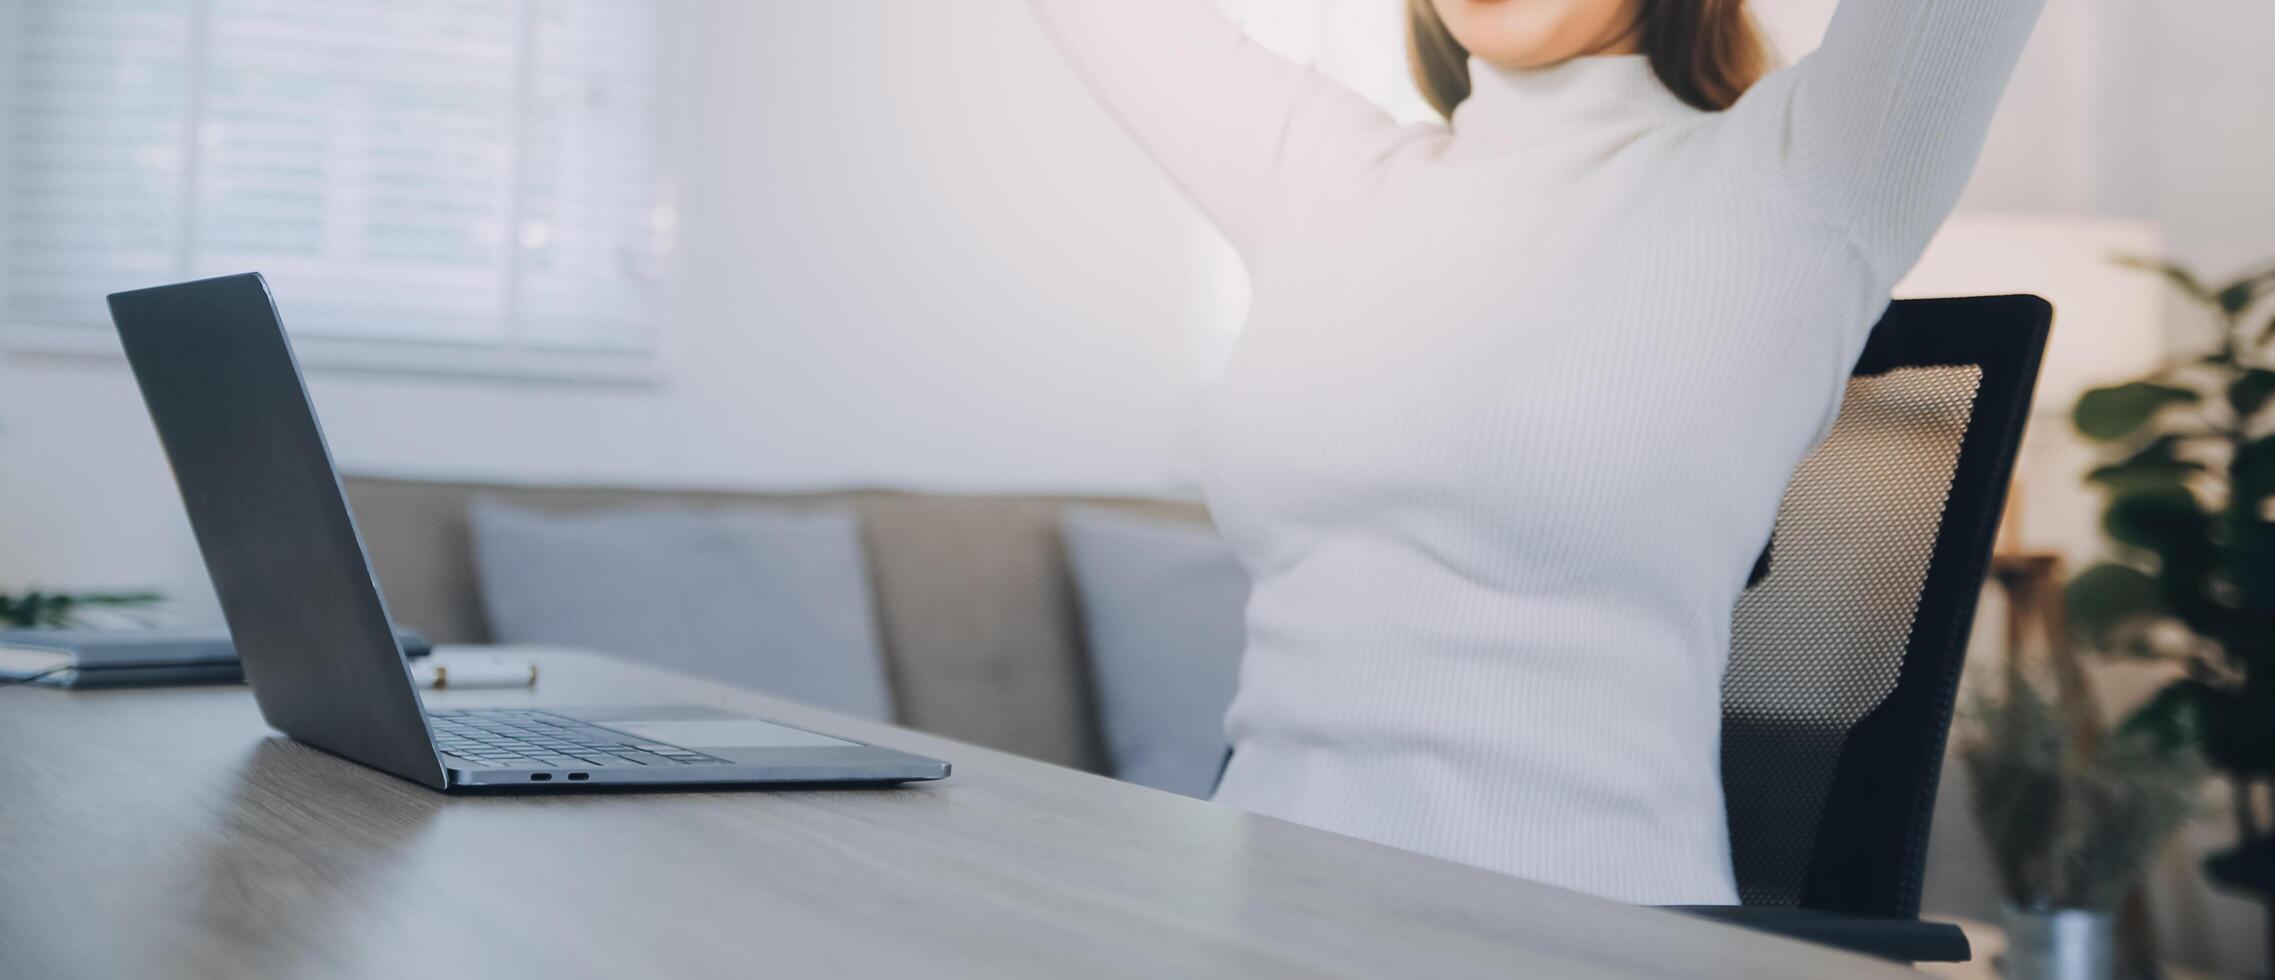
168, 833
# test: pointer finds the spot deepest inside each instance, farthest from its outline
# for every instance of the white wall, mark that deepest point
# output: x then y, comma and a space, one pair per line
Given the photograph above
2211, 136
2142, 110
913, 254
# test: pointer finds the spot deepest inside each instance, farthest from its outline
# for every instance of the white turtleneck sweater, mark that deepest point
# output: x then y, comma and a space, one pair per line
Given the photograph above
1517, 402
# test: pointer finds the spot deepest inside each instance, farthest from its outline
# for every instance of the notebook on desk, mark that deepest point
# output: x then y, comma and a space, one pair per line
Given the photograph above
85, 659
74, 659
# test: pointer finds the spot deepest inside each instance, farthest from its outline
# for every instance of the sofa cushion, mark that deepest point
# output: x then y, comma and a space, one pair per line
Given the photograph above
980, 620
977, 608
1162, 606
775, 600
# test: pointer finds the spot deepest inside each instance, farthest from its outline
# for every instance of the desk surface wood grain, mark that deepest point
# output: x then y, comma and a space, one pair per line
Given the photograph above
169, 833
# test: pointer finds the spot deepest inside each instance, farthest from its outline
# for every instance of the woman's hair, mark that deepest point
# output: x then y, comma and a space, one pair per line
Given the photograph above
1707, 52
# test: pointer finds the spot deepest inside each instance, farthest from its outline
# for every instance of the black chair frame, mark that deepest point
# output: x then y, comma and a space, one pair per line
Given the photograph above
1868, 859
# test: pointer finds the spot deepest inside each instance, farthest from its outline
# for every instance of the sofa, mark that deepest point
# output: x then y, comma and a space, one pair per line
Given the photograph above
981, 634
976, 607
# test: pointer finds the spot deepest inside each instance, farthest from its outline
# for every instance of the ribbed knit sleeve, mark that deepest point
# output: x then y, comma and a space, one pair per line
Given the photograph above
1879, 129
1238, 127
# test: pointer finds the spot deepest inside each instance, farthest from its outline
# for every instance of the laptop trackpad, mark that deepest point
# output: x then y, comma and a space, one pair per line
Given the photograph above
726, 733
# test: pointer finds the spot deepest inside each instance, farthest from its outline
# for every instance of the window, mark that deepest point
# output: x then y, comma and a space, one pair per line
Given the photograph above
449, 176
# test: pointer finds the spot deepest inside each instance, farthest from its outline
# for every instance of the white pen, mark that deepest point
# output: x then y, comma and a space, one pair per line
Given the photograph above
471, 674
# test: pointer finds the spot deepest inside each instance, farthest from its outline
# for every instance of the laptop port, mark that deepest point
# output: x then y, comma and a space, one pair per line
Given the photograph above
579, 776
539, 777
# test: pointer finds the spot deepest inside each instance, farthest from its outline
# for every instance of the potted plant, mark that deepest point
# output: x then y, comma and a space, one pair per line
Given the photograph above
53, 610
2074, 817
2190, 486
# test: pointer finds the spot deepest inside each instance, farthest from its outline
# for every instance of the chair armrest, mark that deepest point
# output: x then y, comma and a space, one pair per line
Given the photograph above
1901, 940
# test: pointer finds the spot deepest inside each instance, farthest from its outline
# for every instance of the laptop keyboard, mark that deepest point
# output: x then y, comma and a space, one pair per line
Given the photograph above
517, 738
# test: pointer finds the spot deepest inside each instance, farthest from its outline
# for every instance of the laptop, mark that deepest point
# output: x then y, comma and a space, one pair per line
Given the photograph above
311, 627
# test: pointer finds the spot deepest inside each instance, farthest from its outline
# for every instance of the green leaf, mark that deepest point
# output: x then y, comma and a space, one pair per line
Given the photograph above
41, 609
2153, 466
2245, 292
2112, 414
2169, 523
2254, 559
52, 611
2167, 520
2173, 719
118, 600
2173, 273
2238, 296
2238, 734
2251, 392
2108, 596
2252, 473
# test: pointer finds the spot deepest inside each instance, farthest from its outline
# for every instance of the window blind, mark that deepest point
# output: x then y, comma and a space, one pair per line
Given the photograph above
470, 172
96, 132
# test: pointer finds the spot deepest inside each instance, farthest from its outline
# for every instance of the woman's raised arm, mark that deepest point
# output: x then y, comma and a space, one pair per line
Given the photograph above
1238, 127
1881, 127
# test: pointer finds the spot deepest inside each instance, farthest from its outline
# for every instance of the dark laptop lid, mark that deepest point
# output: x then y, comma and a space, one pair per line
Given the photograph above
318, 647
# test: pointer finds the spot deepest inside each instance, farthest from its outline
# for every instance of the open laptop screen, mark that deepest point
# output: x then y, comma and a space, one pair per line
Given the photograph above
226, 396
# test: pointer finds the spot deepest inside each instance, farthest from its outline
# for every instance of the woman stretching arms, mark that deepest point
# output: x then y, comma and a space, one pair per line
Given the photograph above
1519, 394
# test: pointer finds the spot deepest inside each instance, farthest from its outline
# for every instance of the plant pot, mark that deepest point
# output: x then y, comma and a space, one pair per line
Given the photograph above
2059, 944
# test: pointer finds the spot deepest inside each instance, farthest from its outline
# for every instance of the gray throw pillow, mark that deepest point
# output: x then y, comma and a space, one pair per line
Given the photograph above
1163, 607
776, 601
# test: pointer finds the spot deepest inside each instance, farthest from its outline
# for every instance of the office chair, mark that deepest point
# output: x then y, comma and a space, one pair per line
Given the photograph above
1845, 655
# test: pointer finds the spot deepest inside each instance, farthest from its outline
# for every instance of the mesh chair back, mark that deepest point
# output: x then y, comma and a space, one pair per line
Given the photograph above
1845, 656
